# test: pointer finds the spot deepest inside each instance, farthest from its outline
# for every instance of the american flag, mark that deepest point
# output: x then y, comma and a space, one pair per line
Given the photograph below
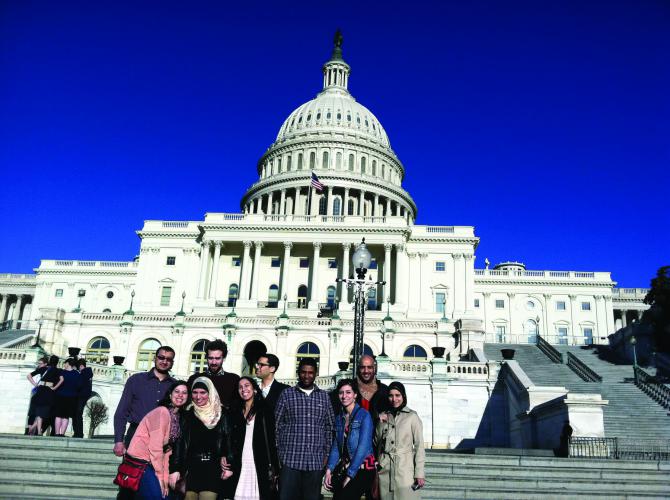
316, 183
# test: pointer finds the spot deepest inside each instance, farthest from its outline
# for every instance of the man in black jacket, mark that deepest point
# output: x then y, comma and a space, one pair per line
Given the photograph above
225, 382
266, 367
84, 392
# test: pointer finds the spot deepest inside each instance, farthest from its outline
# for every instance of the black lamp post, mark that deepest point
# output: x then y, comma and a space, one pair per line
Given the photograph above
361, 262
633, 342
37, 345
181, 311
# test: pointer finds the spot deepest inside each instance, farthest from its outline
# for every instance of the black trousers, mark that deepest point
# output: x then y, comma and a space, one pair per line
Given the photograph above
356, 487
78, 418
299, 484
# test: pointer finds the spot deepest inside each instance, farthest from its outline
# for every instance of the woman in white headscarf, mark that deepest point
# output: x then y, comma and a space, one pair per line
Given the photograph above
205, 440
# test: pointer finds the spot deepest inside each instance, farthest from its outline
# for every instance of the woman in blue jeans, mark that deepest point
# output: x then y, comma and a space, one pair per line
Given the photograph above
351, 464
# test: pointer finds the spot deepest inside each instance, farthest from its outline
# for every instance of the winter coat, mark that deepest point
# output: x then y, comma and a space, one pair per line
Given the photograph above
400, 451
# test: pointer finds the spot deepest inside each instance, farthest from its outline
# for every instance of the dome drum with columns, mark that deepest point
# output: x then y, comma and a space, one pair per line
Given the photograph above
345, 145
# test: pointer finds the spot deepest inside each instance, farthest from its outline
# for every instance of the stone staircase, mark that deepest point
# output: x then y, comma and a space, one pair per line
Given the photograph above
33, 467
452, 475
39, 468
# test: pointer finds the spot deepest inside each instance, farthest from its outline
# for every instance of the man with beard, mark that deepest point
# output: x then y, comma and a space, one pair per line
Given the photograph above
141, 394
305, 423
225, 383
373, 394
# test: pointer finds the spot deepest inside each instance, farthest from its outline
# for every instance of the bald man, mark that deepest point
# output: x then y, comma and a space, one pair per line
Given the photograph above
373, 394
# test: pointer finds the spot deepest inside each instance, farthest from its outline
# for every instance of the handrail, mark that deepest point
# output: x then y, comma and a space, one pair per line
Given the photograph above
582, 369
551, 352
619, 448
647, 384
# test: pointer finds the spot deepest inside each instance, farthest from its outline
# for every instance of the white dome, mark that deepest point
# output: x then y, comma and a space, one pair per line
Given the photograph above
334, 111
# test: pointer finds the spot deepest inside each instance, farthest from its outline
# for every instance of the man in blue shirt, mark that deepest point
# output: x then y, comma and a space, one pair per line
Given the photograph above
305, 421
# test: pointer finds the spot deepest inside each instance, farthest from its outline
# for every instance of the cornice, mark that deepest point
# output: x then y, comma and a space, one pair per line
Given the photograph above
164, 234
446, 239
88, 272
311, 228
535, 282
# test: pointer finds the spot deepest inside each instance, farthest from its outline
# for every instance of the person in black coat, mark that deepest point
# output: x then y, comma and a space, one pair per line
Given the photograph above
83, 394
266, 368
255, 461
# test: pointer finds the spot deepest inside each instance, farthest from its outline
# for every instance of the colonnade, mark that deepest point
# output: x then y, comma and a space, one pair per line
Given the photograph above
19, 301
249, 274
333, 200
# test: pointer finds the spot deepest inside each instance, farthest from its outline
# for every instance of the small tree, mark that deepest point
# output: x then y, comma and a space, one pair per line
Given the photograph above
97, 414
658, 315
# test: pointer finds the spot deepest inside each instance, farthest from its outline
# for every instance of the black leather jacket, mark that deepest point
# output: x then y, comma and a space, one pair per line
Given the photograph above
181, 450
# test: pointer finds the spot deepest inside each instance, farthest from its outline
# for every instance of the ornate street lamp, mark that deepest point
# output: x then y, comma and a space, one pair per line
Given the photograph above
633, 342
361, 263
37, 345
181, 311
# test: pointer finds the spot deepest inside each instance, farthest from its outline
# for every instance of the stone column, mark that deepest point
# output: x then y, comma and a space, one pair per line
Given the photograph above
361, 203
423, 275
513, 331
17, 309
488, 325
459, 279
270, 195
401, 276
297, 206
259, 202
204, 257
246, 267
387, 272
282, 202
257, 264
329, 201
3, 308
573, 331
345, 205
313, 291
215, 270
609, 315
285, 269
547, 317
388, 207
624, 322
312, 202
344, 294
414, 278
469, 281
375, 209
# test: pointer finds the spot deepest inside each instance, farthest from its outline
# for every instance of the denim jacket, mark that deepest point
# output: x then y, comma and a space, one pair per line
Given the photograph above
359, 441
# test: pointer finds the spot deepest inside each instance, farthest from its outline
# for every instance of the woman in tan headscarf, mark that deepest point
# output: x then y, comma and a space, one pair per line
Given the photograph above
205, 441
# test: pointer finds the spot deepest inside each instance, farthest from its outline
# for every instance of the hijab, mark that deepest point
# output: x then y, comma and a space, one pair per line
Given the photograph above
401, 389
209, 414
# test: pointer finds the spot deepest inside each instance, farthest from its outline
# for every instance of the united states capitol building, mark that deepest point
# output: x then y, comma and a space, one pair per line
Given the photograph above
264, 279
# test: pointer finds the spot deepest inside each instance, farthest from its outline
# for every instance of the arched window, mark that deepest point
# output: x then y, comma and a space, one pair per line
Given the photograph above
302, 297
279, 165
312, 160
323, 205
338, 161
145, 354
351, 163
299, 161
372, 299
288, 163
273, 296
383, 171
415, 353
350, 208
330, 297
367, 350
531, 331
325, 162
233, 292
98, 350
374, 167
198, 357
337, 206
308, 350
363, 165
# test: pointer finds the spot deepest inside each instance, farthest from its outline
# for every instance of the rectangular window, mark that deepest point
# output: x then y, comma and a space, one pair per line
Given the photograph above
332, 263
373, 264
166, 292
560, 305
59, 292
171, 261
440, 297
500, 304
500, 333
439, 266
236, 261
275, 262
304, 262
586, 306
562, 335
588, 336
476, 303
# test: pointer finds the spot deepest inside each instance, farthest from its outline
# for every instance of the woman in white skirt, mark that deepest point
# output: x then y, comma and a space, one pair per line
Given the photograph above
255, 462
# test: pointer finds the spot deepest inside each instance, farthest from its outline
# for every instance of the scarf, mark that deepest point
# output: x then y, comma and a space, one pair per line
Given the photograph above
209, 414
401, 389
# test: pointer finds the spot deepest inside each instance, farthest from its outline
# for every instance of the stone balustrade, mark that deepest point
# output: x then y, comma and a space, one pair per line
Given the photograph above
96, 264
553, 275
17, 277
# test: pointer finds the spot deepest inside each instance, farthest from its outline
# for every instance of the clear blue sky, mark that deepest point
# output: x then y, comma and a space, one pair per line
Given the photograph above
543, 124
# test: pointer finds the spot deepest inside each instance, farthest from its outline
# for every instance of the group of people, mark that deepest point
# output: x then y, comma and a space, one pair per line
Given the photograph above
220, 436
59, 395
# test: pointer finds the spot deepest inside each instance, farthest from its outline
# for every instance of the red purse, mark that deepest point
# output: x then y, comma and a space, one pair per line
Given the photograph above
130, 472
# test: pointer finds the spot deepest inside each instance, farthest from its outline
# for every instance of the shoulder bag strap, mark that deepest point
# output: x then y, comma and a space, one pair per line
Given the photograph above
267, 443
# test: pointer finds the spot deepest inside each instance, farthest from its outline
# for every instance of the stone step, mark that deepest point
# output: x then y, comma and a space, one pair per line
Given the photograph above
44, 476
483, 493
56, 489
84, 455
56, 442
59, 464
